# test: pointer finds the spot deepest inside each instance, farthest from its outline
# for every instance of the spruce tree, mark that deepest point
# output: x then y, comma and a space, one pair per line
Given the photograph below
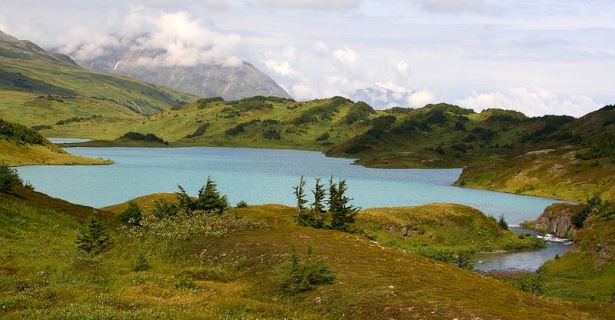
184, 202
299, 192
132, 215
342, 211
502, 223
210, 199
95, 240
318, 208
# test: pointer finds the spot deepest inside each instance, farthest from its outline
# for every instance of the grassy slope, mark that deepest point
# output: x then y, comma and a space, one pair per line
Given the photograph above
38, 88
42, 276
554, 173
20, 145
588, 270
17, 154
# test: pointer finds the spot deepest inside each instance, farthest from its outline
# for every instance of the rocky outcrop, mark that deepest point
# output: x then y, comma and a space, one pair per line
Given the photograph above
557, 220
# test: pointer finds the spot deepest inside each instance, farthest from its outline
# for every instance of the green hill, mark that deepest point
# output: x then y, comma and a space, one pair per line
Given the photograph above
227, 267
21, 145
38, 88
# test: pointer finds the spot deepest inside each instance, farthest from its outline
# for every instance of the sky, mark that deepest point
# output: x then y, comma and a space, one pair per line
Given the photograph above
539, 57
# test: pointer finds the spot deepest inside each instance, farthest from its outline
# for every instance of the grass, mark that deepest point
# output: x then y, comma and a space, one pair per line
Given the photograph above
15, 154
232, 275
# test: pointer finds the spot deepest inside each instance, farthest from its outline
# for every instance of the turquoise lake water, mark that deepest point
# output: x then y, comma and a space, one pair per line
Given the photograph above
261, 176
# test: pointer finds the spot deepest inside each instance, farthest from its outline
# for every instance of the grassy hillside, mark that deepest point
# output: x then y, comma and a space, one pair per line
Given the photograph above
20, 145
228, 270
42, 89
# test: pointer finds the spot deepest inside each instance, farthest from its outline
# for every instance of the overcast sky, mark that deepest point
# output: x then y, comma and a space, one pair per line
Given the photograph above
539, 57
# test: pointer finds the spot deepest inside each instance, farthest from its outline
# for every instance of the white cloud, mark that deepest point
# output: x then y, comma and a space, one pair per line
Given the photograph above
532, 102
303, 92
313, 4
459, 6
180, 39
346, 56
282, 68
321, 47
402, 67
420, 98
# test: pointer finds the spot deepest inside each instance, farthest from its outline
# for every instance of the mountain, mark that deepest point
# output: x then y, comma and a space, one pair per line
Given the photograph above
39, 88
381, 97
206, 80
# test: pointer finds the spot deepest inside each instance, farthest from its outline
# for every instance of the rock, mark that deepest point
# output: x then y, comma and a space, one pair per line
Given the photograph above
557, 220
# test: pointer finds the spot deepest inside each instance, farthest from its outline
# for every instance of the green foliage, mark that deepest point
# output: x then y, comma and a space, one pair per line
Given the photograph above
528, 282
272, 134
323, 137
299, 192
19, 133
502, 223
210, 200
254, 103
601, 148
136, 136
203, 102
77, 119
8, 178
595, 206
132, 215
240, 128
323, 112
359, 111
242, 204
95, 239
300, 276
199, 131
464, 259
141, 264
163, 209
342, 212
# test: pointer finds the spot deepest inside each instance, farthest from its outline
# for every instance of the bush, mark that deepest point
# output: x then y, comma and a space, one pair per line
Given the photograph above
502, 223
464, 259
242, 204
203, 102
323, 137
298, 276
95, 240
272, 134
595, 206
19, 133
132, 215
141, 264
8, 178
136, 136
199, 131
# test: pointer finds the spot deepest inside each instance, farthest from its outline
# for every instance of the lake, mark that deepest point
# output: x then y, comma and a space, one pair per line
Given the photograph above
260, 176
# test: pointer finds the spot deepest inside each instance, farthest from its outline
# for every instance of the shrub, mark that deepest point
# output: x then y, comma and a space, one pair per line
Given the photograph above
298, 276
242, 204
8, 178
464, 259
502, 223
199, 131
595, 206
323, 137
136, 136
203, 102
210, 200
95, 240
141, 264
132, 215
272, 134
359, 111
19, 133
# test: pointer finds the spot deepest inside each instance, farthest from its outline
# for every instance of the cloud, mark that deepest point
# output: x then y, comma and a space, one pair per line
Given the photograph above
420, 98
459, 6
303, 92
532, 102
166, 39
313, 4
282, 68
346, 56
402, 67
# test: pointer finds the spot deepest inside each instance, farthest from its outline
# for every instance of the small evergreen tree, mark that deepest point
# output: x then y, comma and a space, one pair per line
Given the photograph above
8, 178
300, 276
210, 199
141, 264
299, 192
163, 209
318, 208
343, 213
95, 240
502, 223
184, 202
132, 215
